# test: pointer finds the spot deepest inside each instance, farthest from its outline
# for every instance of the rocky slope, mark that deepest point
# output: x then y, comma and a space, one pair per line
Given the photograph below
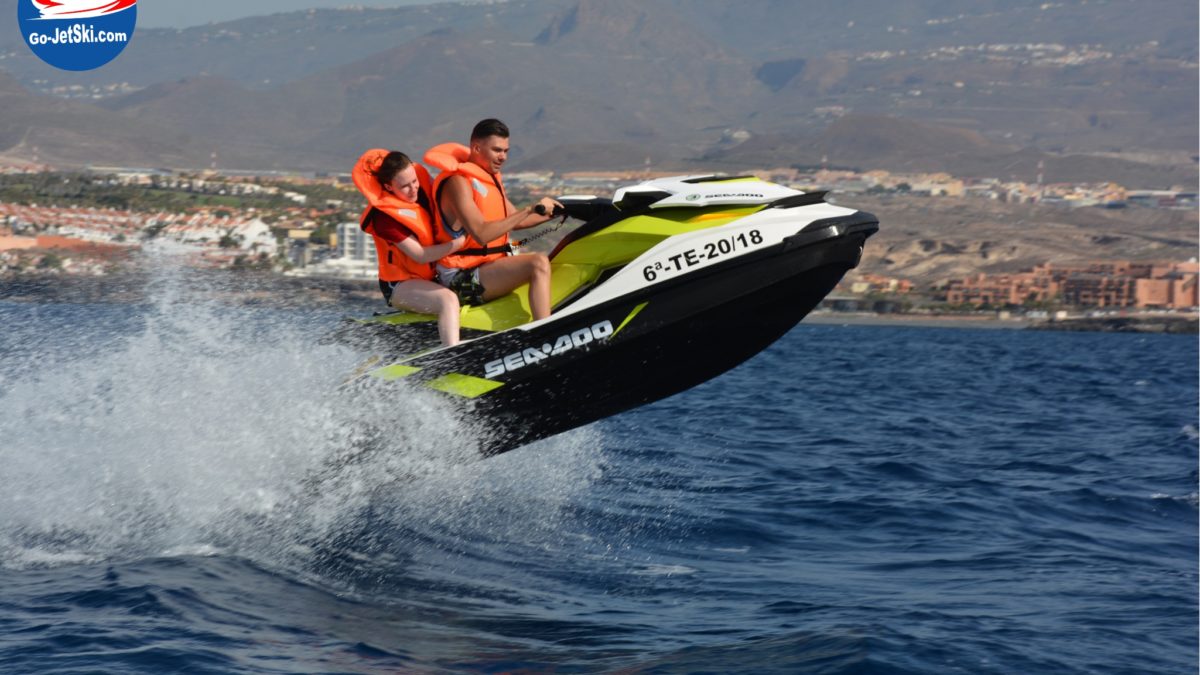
929, 240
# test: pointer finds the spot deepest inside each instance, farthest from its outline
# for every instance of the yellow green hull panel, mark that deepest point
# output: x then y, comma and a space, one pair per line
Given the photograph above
582, 262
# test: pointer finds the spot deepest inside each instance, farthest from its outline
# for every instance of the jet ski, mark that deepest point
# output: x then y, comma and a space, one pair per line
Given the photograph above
668, 284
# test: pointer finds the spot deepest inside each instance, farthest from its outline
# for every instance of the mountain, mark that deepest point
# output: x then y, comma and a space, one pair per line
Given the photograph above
864, 141
932, 240
264, 52
895, 144
778, 29
994, 87
71, 133
571, 85
267, 51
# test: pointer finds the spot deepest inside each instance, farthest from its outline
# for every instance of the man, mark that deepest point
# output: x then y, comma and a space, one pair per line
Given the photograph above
471, 203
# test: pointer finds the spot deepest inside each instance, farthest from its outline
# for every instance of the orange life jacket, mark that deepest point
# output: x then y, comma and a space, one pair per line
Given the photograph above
394, 264
488, 192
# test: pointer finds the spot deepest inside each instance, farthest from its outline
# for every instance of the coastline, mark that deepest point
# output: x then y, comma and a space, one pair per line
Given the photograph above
241, 288
249, 288
1135, 323
916, 320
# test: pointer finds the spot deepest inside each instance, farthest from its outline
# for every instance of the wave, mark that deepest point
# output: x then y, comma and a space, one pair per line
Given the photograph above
187, 426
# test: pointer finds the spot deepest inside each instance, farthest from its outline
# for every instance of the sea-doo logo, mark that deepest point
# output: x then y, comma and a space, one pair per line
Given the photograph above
532, 355
77, 34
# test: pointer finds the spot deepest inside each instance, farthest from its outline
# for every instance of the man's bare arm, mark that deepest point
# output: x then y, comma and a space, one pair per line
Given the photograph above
467, 215
548, 205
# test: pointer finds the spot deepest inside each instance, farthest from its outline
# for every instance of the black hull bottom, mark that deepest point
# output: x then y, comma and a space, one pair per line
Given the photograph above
685, 335
654, 367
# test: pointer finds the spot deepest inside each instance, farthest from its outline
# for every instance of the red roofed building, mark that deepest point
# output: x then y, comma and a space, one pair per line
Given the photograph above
1108, 284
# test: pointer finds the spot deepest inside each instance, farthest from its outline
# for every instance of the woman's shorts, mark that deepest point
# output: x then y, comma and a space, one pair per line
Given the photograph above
386, 287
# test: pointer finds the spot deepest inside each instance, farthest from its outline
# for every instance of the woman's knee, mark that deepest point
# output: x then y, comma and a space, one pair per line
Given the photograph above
540, 264
446, 300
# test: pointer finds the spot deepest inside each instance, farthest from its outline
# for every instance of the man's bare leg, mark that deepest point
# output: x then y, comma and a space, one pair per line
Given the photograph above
502, 276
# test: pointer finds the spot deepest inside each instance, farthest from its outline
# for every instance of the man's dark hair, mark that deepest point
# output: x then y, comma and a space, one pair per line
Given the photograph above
489, 127
392, 164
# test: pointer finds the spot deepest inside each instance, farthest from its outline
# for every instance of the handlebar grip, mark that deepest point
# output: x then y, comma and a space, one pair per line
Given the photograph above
539, 209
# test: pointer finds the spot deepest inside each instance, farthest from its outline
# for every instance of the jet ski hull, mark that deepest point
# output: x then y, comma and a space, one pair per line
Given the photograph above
526, 384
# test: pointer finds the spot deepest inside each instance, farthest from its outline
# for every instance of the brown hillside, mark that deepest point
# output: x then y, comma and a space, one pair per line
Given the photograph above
871, 142
933, 239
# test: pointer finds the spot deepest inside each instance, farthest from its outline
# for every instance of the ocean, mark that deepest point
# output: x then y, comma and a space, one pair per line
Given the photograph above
185, 488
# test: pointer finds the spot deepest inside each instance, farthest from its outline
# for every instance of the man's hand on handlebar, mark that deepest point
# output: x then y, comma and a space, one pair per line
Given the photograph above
548, 208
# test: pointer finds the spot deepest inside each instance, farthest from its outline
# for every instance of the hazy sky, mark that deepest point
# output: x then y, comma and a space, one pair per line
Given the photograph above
184, 13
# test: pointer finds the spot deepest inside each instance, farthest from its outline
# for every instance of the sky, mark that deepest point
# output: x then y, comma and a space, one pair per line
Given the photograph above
184, 13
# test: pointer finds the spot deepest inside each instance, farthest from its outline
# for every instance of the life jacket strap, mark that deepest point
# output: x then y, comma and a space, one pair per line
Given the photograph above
486, 250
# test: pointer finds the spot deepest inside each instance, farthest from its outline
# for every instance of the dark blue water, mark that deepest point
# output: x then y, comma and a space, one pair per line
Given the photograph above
854, 500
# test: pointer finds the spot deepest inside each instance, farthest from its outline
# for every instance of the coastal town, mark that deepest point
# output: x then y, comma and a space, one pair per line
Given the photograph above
92, 223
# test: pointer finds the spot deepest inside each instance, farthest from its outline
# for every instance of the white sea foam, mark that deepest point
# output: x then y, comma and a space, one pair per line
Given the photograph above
1188, 499
664, 570
213, 429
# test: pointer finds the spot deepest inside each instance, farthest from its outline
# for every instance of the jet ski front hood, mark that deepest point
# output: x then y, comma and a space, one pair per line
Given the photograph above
700, 192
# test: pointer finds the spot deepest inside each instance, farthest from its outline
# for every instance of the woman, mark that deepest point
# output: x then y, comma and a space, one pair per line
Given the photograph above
398, 217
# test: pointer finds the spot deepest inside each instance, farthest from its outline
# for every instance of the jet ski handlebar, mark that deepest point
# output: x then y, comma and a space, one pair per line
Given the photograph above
586, 208
540, 209
582, 207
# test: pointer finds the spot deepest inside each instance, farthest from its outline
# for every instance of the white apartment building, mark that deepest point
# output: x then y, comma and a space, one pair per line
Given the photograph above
354, 244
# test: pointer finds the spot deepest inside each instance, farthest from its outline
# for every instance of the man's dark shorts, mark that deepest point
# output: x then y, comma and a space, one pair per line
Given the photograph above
464, 283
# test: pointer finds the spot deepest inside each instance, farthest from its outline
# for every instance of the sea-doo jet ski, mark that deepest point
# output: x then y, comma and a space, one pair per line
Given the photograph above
670, 283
